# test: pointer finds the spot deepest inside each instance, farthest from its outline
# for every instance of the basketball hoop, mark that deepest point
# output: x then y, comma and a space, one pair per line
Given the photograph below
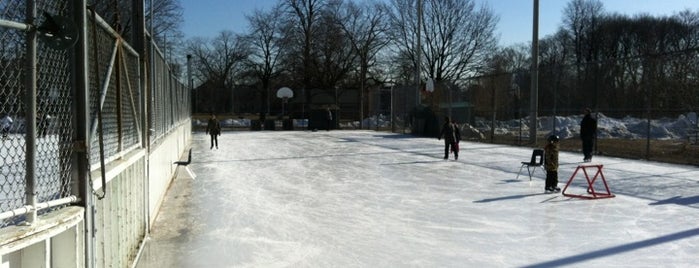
284, 93
429, 87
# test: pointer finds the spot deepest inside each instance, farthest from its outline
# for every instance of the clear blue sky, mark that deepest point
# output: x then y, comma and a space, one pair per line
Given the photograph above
206, 18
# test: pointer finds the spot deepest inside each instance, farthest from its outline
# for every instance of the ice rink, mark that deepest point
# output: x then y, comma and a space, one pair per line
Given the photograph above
375, 199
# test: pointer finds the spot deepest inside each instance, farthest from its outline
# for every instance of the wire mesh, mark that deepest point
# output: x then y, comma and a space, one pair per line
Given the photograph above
130, 100
12, 165
55, 118
169, 98
657, 93
101, 45
114, 86
54, 115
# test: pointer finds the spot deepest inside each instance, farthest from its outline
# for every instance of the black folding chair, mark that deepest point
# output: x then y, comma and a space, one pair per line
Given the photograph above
185, 165
537, 161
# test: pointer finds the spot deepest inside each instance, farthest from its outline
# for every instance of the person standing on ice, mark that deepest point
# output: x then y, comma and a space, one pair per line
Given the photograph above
328, 118
452, 136
6, 123
551, 164
588, 132
213, 128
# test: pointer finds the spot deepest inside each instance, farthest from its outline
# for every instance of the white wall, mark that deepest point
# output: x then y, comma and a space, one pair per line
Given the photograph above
161, 169
136, 186
54, 240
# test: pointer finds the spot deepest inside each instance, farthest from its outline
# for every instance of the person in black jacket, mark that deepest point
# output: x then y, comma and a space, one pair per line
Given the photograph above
328, 119
6, 124
452, 136
213, 128
588, 133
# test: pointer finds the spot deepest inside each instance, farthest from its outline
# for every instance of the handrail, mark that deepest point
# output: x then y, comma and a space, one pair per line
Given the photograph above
15, 25
39, 206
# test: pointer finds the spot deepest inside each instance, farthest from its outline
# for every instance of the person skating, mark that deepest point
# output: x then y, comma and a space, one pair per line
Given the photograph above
551, 164
328, 119
588, 132
6, 124
451, 134
213, 128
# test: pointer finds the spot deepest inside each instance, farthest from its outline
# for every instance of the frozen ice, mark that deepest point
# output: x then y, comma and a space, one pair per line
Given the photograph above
374, 199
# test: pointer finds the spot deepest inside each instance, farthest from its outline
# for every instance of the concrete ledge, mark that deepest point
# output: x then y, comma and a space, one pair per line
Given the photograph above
15, 238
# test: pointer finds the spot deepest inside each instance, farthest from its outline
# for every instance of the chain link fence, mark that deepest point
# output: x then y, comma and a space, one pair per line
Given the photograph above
52, 144
386, 107
116, 103
114, 80
170, 99
12, 165
646, 106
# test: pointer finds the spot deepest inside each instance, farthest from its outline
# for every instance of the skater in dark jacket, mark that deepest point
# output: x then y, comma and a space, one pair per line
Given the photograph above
213, 128
6, 124
551, 164
588, 131
328, 119
452, 136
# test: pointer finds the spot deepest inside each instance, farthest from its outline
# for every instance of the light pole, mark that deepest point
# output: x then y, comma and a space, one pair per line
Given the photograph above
393, 124
190, 84
535, 75
517, 110
418, 54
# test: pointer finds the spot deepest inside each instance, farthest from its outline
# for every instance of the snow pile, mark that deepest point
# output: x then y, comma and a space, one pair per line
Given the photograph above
224, 123
242, 123
566, 127
607, 127
235, 123
383, 121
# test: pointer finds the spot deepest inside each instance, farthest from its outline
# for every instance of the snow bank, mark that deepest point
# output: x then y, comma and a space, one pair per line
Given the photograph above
607, 127
566, 127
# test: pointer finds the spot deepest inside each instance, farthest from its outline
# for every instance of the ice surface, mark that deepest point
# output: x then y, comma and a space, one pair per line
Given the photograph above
373, 199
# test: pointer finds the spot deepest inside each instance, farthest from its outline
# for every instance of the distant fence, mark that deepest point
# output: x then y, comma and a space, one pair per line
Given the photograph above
650, 98
169, 100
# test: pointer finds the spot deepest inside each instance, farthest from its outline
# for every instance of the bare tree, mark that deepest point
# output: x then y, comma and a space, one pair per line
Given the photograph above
164, 21
553, 54
334, 56
457, 36
366, 28
266, 43
581, 19
217, 62
403, 32
303, 20
690, 65
163, 17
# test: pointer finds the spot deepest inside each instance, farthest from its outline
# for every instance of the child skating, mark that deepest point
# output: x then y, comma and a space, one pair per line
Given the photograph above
551, 164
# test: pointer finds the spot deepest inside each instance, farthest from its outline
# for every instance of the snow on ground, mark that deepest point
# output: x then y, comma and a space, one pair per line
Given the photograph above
567, 127
373, 199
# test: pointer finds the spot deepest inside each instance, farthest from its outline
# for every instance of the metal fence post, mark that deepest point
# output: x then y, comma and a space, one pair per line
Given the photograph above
30, 114
82, 132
